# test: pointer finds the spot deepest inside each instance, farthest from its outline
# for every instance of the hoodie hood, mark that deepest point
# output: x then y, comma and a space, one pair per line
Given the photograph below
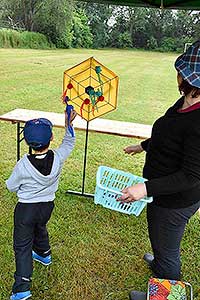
39, 177
35, 186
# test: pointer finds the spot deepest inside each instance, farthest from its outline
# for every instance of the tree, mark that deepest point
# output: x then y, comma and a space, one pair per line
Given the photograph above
119, 35
81, 35
99, 16
50, 17
22, 11
55, 21
138, 22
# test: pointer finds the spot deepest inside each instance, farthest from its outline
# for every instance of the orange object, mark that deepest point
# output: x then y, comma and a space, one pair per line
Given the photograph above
85, 102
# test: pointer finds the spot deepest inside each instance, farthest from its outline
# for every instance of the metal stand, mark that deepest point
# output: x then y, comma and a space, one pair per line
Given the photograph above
82, 193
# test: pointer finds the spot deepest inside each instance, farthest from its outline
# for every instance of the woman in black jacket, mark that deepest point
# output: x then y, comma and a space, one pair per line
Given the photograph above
172, 168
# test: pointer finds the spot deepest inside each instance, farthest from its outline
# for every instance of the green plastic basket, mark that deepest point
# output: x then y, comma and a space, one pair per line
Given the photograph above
109, 184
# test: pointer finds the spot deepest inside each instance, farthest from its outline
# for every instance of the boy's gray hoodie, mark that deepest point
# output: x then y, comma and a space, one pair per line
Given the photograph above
30, 185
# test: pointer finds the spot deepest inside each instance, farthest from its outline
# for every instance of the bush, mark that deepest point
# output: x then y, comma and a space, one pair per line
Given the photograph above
152, 43
124, 40
15, 39
169, 44
82, 37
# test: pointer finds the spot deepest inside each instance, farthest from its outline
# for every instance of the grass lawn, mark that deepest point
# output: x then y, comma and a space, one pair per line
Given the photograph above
97, 253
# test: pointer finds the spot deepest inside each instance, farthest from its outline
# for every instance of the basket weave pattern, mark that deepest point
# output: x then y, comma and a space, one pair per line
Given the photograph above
109, 184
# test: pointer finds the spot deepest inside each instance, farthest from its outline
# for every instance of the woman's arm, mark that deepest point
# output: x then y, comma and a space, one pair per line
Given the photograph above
187, 177
145, 144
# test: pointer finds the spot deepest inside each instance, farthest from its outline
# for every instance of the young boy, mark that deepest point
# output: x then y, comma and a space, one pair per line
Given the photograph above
35, 180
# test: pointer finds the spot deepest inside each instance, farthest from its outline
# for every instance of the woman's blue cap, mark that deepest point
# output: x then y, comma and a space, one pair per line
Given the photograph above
38, 132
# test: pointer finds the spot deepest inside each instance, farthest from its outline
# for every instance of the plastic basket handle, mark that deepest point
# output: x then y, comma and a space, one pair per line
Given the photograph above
120, 193
110, 190
116, 191
191, 289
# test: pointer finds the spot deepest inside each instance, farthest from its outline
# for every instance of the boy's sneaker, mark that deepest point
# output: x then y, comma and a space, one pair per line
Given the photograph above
43, 260
21, 296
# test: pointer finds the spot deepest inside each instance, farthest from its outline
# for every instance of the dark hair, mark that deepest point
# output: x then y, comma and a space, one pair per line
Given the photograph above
40, 148
187, 88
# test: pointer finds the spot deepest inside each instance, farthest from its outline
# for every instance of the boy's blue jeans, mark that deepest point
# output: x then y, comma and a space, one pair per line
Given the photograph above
166, 228
30, 233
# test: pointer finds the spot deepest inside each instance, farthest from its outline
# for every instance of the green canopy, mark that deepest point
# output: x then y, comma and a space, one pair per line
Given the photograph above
177, 4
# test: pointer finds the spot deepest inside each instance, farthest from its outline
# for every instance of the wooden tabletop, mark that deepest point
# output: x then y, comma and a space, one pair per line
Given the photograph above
126, 129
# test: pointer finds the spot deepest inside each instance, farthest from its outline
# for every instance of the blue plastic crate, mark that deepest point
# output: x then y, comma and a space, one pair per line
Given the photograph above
109, 184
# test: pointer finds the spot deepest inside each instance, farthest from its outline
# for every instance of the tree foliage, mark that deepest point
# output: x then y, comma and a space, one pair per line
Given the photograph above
55, 20
69, 23
50, 17
81, 34
98, 17
22, 11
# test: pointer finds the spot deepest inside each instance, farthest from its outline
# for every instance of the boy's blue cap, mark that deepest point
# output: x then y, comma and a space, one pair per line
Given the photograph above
188, 65
38, 132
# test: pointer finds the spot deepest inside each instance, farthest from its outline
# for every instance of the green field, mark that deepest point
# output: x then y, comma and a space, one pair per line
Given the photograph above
97, 253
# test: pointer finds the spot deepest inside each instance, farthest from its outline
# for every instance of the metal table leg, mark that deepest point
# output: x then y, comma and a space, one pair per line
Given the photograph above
20, 130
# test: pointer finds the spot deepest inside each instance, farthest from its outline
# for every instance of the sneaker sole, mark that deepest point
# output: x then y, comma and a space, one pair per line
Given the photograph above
27, 297
41, 262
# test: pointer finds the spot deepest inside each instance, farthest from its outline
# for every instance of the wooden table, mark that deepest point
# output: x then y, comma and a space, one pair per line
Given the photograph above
126, 129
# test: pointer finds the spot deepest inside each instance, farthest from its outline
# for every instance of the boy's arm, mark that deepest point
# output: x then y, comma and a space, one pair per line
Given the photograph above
13, 182
68, 141
66, 146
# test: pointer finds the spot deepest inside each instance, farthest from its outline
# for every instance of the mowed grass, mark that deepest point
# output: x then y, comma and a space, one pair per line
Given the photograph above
97, 253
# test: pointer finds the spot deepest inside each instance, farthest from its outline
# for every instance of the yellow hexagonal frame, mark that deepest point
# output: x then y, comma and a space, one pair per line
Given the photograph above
92, 76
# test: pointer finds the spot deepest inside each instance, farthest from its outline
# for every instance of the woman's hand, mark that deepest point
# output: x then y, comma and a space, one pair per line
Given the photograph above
133, 193
133, 149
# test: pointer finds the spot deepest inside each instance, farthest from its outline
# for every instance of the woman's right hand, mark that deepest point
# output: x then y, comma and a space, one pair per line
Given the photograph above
133, 149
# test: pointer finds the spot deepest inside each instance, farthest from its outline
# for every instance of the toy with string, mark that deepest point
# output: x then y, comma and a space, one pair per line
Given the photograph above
91, 88
69, 87
69, 108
